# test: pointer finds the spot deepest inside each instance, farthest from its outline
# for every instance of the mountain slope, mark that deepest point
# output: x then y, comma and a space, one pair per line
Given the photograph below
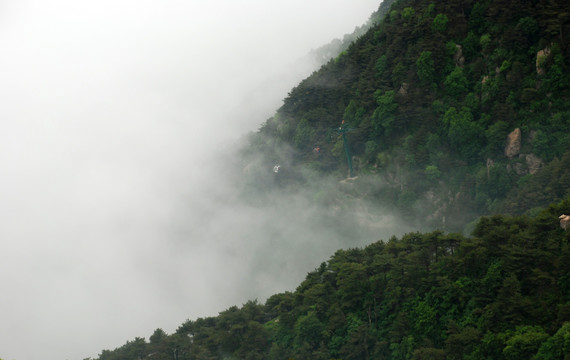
502, 294
430, 95
433, 97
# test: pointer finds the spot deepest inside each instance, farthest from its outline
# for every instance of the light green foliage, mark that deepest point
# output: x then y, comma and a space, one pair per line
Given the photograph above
338, 148
440, 23
557, 346
398, 73
471, 101
450, 47
499, 55
456, 83
408, 146
382, 159
380, 65
304, 134
383, 117
408, 13
425, 319
404, 349
353, 114
524, 343
506, 65
432, 172
340, 56
485, 41
425, 68
393, 15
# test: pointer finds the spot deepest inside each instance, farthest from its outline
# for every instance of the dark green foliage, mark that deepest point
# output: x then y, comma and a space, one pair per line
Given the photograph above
498, 294
442, 84
425, 67
464, 134
456, 84
440, 23
383, 118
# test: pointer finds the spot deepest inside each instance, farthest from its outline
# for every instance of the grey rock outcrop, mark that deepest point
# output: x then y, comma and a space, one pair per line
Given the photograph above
541, 56
533, 163
564, 221
513, 147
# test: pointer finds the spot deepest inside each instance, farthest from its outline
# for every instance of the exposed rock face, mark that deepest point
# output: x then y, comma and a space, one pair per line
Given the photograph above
519, 168
458, 56
513, 147
533, 163
490, 163
403, 90
564, 221
541, 55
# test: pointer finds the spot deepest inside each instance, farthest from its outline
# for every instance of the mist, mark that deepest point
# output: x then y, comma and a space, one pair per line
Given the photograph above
119, 128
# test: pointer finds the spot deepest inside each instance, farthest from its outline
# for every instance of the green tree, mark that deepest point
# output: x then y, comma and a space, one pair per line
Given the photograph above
353, 114
380, 65
432, 172
157, 336
408, 13
528, 25
463, 133
485, 41
308, 329
425, 68
456, 84
496, 135
351, 282
524, 343
304, 134
440, 23
383, 117
557, 347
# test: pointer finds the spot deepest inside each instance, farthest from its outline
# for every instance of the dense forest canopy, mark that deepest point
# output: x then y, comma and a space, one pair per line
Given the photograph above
457, 113
503, 293
458, 105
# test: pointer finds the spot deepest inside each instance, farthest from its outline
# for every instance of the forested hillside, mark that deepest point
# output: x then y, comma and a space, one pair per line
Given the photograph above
454, 112
455, 109
502, 294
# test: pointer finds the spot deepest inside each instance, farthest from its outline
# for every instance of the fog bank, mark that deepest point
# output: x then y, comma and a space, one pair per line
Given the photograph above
117, 124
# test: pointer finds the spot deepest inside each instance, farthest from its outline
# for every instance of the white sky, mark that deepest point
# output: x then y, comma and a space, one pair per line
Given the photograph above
110, 112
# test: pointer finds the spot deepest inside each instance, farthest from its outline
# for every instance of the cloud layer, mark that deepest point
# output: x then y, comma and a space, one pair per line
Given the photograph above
117, 213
